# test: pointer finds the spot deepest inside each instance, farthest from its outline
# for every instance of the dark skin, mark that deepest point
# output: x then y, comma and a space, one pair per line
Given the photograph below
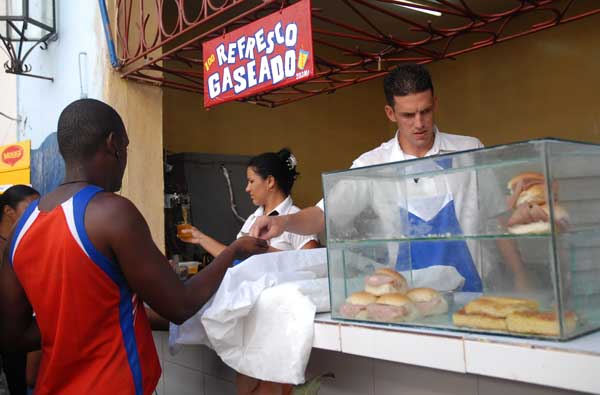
118, 230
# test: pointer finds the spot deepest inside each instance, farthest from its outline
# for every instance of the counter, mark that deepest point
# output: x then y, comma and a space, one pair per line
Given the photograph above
573, 365
371, 359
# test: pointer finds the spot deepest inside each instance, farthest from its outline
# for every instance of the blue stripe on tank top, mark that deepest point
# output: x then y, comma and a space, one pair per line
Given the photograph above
80, 202
19, 228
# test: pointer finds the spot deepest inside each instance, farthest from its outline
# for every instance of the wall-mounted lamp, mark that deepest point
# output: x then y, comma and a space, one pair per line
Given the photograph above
24, 25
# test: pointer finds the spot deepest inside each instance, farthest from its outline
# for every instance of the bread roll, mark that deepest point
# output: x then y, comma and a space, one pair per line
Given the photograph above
478, 321
385, 281
524, 176
540, 323
560, 217
356, 305
535, 194
500, 307
428, 301
394, 307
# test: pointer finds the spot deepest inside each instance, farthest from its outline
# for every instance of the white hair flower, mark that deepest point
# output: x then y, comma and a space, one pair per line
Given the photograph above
292, 162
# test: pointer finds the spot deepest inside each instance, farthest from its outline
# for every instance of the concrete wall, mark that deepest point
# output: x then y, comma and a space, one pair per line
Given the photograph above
545, 84
140, 106
8, 104
39, 101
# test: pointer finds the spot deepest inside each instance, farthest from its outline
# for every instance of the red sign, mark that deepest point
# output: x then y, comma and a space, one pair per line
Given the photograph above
266, 54
12, 154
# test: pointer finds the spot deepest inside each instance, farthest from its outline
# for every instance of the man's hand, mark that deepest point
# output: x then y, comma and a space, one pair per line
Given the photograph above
247, 246
266, 227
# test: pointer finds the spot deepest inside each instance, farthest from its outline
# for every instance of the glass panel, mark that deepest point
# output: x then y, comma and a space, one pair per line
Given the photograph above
42, 11
575, 170
450, 223
11, 8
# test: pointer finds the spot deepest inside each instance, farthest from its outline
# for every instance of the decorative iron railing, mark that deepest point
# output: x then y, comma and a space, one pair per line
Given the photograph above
160, 41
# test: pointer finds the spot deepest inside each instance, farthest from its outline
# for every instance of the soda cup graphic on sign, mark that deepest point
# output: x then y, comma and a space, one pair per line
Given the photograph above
302, 58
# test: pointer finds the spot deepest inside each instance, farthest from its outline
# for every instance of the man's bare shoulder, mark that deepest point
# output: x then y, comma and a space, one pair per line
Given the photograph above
112, 207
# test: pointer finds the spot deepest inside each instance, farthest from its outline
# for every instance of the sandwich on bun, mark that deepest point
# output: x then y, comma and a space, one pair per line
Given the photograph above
356, 305
394, 307
385, 281
428, 301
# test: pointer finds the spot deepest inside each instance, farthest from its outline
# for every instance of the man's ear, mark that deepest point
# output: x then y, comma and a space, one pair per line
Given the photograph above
389, 111
112, 143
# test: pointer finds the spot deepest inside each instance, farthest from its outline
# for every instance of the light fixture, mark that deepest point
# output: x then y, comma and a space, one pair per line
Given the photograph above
430, 12
24, 25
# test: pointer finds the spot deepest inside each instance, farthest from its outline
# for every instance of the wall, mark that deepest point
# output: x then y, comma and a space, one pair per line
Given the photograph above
8, 105
39, 101
140, 106
544, 84
325, 132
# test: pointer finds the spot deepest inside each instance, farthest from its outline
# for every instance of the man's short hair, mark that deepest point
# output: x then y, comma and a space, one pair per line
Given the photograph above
83, 126
405, 80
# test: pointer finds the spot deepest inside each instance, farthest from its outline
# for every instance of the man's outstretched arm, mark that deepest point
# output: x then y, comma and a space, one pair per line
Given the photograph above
127, 238
307, 221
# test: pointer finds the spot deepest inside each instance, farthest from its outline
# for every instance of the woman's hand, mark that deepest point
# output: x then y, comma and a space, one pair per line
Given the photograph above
194, 235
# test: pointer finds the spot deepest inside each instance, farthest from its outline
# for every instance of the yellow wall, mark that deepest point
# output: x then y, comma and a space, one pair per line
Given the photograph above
140, 106
325, 132
545, 84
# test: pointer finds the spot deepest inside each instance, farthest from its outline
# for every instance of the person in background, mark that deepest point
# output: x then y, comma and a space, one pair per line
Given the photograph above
13, 203
270, 177
84, 260
410, 105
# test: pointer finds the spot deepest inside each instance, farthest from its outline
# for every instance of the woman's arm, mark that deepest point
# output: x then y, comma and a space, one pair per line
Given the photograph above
212, 246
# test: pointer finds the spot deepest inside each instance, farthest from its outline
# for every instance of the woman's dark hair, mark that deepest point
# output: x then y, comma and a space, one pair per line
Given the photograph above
280, 165
15, 195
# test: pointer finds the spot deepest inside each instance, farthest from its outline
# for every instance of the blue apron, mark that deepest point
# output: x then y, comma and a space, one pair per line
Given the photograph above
446, 253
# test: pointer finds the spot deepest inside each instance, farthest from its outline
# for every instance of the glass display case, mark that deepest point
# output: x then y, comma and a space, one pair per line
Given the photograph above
502, 240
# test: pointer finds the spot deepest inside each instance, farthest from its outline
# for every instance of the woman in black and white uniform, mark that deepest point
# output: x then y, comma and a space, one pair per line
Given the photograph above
270, 179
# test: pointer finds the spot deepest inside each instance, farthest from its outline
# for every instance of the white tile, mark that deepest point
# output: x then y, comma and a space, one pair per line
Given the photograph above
493, 386
353, 374
189, 356
180, 380
215, 386
390, 378
432, 351
327, 337
566, 370
213, 365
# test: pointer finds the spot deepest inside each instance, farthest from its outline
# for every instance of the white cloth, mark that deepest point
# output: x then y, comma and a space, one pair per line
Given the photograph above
285, 241
260, 321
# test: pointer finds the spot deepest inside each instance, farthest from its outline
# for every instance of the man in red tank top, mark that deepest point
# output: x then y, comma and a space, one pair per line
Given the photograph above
82, 258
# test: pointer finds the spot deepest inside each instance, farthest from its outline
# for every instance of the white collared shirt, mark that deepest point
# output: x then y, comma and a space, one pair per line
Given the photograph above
287, 240
390, 151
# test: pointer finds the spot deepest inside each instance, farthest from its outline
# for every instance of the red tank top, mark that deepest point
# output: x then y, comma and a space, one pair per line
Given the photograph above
96, 338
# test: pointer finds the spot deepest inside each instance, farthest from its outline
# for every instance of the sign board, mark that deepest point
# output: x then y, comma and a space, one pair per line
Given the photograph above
15, 163
267, 54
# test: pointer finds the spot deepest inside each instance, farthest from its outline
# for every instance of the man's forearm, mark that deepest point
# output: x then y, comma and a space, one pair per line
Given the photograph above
308, 221
200, 288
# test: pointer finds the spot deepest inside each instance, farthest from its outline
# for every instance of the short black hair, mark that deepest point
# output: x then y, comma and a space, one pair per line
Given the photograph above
82, 127
15, 195
405, 80
281, 165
